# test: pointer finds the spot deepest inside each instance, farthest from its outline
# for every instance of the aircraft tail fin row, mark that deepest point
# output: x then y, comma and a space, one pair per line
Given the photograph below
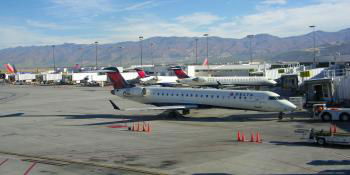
116, 78
180, 73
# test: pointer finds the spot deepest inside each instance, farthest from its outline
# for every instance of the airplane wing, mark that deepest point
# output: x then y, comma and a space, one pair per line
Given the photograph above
174, 107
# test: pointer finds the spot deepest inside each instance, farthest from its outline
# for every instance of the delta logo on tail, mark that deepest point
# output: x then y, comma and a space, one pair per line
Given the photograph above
10, 69
116, 78
180, 73
205, 62
141, 73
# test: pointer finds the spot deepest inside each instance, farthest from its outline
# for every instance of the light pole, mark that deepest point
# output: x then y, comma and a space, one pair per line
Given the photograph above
152, 44
206, 35
141, 38
81, 56
250, 47
314, 40
120, 47
196, 50
53, 57
96, 43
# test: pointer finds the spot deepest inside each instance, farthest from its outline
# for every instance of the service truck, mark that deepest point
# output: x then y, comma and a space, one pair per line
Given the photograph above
321, 111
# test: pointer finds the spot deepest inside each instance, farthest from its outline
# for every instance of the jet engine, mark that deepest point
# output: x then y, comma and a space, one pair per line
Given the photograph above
135, 92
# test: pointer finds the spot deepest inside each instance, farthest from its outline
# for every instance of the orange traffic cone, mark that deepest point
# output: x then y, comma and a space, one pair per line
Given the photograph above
252, 138
258, 139
133, 127
243, 138
138, 127
238, 136
149, 127
144, 127
334, 128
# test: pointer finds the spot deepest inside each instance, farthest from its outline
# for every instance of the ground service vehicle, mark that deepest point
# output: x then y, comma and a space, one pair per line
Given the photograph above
320, 111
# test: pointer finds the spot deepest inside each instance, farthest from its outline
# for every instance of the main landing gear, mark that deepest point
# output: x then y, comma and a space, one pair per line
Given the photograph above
280, 116
177, 115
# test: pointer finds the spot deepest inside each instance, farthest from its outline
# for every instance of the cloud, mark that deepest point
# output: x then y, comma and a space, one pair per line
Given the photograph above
81, 7
140, 5
47, 25
198, 19
274, 2
288, 21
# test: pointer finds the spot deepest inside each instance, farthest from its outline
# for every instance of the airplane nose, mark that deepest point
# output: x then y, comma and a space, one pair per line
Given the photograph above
291, 106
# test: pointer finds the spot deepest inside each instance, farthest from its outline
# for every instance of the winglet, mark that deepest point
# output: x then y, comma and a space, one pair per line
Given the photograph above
114, 105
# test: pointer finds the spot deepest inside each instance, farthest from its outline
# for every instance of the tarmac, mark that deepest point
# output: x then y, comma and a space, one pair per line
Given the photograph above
68, 130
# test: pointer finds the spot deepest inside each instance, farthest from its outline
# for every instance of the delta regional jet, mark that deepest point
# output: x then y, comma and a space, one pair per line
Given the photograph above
215, 81
173, 99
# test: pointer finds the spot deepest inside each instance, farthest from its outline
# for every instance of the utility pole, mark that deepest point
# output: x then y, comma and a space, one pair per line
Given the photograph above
141, 38
53, 58
196, 50
96, 43
120, 61
250, 47
206, 35
314, 42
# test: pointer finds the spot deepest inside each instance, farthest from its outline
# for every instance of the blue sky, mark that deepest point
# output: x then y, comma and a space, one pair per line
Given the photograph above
42, 22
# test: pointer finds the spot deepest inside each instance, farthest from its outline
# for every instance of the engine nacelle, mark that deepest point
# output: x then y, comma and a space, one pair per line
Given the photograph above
135, 92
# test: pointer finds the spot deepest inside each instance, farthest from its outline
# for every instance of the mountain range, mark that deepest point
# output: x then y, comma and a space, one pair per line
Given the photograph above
176, 50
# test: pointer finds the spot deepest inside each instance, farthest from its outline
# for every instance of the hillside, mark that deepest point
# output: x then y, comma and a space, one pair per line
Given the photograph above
182, 49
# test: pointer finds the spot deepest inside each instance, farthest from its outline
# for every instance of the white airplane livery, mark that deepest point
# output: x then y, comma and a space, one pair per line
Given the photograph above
155, 80
172, 99
214, 81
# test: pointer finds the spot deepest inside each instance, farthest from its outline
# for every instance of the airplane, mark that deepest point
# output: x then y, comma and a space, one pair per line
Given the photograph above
173, 99
217, 81
146, 79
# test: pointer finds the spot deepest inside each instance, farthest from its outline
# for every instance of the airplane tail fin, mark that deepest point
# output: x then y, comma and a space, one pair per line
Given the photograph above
205, 62
116, 78
141, 73
179, 73
10, 68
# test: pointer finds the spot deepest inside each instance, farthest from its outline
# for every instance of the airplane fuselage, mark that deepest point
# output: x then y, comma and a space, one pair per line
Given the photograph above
210, 81
236, 99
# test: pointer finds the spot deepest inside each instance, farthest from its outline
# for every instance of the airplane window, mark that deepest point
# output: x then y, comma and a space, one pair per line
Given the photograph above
196, 95
240, 97
172, 94
158, 93
182, 94
207, 96
201, 96
162, 94
245, 97
177, 94
186, 95
275, 98
218, 96
167, 94
191, 95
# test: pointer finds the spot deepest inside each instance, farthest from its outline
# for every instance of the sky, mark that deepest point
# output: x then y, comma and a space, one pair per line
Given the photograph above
46, 22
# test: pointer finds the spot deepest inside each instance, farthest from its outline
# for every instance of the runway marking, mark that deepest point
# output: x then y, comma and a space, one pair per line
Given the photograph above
30, 168
4, 161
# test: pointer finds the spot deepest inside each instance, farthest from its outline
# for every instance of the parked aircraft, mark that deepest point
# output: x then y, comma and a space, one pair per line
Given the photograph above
146, 79
215, 81
10, 69
173, 99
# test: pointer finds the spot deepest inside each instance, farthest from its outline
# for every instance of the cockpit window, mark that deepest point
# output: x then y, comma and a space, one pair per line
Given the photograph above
275, 98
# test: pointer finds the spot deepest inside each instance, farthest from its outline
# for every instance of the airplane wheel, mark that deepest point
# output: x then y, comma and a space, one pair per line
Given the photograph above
185, 111
345, 117
280, 116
